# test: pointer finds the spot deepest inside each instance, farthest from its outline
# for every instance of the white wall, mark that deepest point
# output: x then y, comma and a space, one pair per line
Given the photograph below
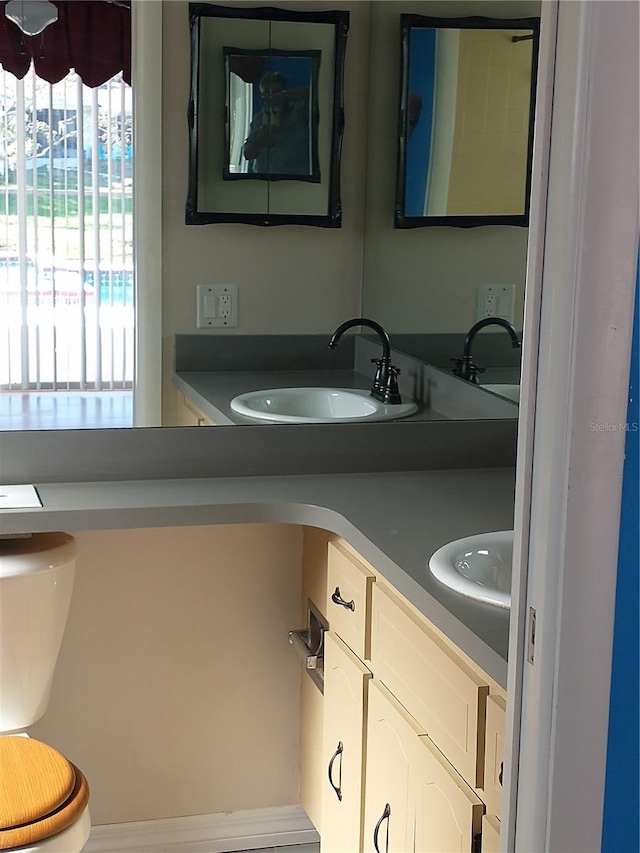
177, 692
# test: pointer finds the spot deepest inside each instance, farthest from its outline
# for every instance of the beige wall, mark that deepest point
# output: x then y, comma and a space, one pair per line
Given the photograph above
176, 690
426, 279
291, 279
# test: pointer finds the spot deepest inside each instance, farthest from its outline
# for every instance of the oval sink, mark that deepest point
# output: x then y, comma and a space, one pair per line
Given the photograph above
511, 392
477, 566
317, 406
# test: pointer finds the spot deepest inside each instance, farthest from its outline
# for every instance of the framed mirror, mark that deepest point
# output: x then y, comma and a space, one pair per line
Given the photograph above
467, 104
266, 116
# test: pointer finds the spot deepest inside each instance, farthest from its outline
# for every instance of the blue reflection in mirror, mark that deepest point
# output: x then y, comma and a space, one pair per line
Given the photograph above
420, 104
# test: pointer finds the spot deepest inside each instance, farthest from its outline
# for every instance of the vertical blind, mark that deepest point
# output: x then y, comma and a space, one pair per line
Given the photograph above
66, 234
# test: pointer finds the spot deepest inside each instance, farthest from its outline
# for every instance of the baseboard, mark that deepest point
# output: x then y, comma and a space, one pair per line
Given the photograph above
212, 833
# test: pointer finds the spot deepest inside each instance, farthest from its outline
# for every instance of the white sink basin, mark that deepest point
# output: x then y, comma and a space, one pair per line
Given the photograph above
477, 566
317, 406
511, 392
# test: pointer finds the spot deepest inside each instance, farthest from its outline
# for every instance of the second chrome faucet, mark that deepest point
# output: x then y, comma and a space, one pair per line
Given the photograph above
385, 383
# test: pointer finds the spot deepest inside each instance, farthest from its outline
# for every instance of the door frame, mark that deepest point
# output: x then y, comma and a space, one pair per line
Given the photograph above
578, 326
146, 32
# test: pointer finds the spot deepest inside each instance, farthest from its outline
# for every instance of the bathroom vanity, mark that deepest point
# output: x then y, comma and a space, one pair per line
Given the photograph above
209, 375
380, 529
404, 751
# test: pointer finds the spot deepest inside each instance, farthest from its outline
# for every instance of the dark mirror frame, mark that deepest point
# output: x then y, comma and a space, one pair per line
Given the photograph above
407, 23
340, 21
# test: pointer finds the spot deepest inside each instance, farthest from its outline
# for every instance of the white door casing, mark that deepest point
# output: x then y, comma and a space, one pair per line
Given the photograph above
578, 319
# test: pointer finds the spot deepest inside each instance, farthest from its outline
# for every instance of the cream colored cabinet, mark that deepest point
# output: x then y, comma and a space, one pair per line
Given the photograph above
314, 593
345, 701
392, 749
490, 834
414, 799
349, 585
448, 812
435, 685
190, 415
428, 724
494, 754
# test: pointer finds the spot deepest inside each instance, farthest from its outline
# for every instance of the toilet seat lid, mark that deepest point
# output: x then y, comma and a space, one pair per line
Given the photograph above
41, 793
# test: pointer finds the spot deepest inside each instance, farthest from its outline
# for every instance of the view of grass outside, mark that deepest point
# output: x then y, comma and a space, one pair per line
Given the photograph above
66, 238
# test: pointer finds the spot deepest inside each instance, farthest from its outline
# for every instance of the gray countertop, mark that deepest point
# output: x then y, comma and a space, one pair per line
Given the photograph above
212, 391
396, 521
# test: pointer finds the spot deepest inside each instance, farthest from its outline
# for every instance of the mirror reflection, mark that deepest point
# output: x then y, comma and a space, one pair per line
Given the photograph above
272, 128
422, 285
265, 116
468, 95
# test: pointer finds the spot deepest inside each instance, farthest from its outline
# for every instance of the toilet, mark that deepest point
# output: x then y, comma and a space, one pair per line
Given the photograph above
43, 797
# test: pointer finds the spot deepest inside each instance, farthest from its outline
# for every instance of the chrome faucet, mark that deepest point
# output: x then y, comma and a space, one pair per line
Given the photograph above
465, 368
385, 383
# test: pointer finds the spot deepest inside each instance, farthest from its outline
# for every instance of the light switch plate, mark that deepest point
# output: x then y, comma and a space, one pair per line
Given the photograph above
217, 306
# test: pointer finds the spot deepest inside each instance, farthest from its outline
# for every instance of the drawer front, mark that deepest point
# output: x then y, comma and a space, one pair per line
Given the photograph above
490, 835
349, 585
445, 696
494, 754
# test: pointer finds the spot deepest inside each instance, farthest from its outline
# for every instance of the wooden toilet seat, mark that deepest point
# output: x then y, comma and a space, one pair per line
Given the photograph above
41, 793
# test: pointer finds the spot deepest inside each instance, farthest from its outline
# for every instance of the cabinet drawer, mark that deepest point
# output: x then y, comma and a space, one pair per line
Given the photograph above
445, 696
490, 834
349, 585
494, 754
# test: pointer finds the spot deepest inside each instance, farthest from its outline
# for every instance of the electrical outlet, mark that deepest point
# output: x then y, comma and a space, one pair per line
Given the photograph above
224, 306
496, 300
217, 306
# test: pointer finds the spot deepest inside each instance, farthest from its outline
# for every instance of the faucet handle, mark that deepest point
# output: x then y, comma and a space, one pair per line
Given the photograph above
466, 369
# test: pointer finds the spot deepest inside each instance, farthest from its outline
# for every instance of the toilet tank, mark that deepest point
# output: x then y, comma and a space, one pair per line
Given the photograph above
36, 580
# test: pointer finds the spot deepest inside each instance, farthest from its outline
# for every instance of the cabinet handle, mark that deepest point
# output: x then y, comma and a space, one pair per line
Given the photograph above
501, 772
384, 816
338, 788
337, 599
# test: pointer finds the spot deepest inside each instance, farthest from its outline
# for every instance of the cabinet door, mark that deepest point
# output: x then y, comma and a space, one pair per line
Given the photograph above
311, 749
490, 834
448, 812
494, 754
392, 746
345, 697
190, 415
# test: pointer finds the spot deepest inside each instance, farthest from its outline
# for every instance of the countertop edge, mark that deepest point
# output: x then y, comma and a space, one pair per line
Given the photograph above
75, 507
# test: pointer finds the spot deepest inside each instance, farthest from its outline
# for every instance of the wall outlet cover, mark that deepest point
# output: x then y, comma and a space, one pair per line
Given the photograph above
496, 300
217, 306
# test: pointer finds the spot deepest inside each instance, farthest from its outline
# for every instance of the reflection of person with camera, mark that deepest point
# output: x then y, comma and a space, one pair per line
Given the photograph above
278, 142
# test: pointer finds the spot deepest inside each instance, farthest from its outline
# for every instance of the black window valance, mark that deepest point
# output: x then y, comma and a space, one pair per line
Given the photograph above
92, 37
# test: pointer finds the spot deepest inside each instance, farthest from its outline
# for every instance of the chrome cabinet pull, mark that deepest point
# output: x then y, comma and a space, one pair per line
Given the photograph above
337, 599
336, 788
384, 816
501, 772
